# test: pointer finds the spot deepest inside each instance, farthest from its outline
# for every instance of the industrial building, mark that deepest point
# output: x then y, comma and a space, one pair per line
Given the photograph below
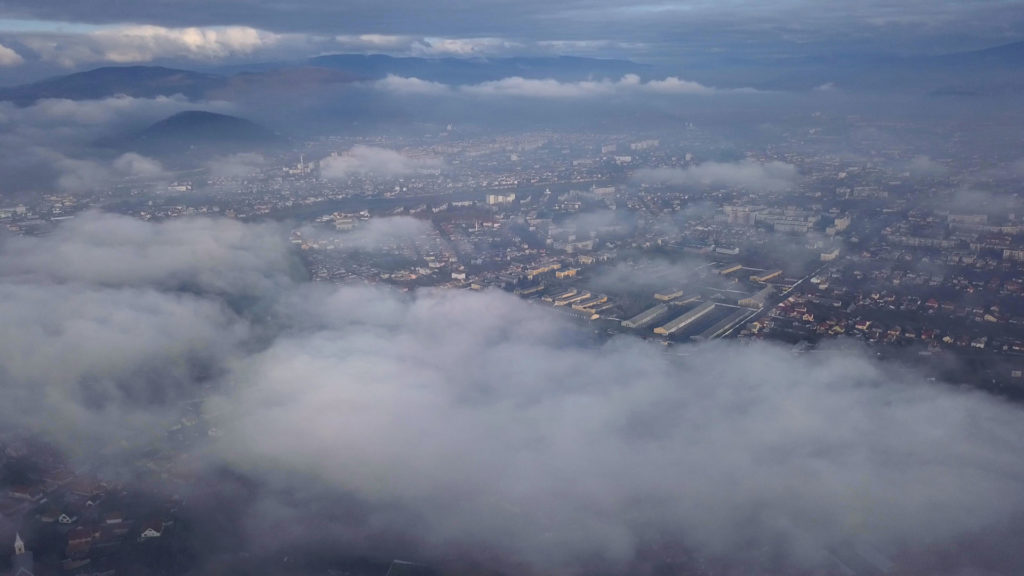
588, 304
573, 299
759, 299
561, 295
666, 296
722, 326
646, 317
685, 320
766, 276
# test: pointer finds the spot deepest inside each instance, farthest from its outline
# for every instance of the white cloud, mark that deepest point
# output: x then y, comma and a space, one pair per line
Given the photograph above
374, 42
373, 161
589, 46
144, 43
544, 88
107, 112
236, 165
132, 164
375, 234
52, 142
487, 422
767, 176
463, 46
411, 86
673, 85
517, 86
110, 250
924, 167
454, 420
8, 57
78, 175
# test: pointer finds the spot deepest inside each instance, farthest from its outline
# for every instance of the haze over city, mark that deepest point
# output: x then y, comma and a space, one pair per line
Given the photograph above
381, 288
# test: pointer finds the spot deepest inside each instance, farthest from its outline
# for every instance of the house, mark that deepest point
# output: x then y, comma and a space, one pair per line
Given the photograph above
30, 493
49, 515
80, 535
151, 530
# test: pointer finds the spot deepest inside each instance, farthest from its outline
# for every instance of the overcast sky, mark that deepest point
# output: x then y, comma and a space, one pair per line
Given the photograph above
80, 33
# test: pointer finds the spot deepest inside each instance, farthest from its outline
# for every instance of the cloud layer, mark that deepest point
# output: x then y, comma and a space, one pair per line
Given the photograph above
51, 145
520, 87
749, 174
363, 160
670, 26
145, 43
480, 424
9, 57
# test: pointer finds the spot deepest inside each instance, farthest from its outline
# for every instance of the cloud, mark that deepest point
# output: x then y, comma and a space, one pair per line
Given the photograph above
109, 323
375, 42
375, 234
236, 165
599, 222
463, 46
670, 27
411, 86
145, 43
483, 46
550, 88
648, 276
487, 423
540, 88
9, 57
750, 174
76, 176
924, 167
132, 164
52, 143
105, 114
214, 256
455, 425
673, 85
363, 160
590, 46
519, 87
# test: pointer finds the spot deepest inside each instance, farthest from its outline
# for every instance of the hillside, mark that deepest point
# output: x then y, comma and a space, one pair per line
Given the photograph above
135, 81
197, 130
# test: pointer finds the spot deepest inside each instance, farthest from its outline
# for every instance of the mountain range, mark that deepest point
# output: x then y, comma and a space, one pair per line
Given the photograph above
995, 70
318, 72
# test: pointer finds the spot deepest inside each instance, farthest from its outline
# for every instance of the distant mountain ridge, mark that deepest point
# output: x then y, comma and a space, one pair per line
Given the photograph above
981, 71
1011, 55
153, 81
475, 70
196, 130
135, 81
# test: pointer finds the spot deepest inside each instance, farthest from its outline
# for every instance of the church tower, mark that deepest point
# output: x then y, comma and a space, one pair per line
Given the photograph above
23, 563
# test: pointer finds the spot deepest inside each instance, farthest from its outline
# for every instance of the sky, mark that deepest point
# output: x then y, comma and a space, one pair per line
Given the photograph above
72, 34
